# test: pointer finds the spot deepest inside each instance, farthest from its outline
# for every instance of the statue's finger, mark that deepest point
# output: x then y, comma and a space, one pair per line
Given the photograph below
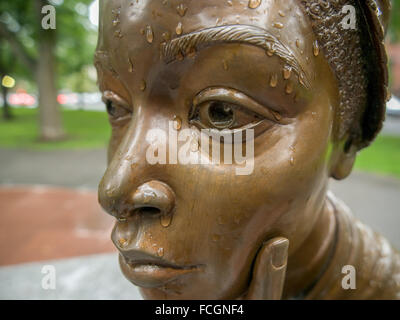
269, 270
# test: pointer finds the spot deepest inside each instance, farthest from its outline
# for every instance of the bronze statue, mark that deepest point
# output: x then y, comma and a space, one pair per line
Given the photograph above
310, 79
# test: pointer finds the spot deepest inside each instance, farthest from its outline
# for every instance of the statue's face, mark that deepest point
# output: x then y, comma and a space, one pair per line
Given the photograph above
206, 245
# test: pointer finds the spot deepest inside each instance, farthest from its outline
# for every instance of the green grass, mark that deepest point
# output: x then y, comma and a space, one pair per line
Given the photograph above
84, 129
90, 129
383, 156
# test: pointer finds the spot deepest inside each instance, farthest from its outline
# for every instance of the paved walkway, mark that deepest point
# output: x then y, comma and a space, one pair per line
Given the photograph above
392, 126
92, 277
77, 169
63, 228
41, 223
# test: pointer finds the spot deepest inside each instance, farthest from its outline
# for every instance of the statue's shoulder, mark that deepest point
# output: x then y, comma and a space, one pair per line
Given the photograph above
364, 264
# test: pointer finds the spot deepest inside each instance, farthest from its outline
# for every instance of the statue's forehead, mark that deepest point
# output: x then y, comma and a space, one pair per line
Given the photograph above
134, 32
122, 21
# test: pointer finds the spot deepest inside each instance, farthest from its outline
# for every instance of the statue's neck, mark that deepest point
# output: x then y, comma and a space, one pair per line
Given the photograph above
308, 262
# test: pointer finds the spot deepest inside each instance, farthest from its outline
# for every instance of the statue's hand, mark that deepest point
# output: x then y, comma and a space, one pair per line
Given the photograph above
269, 271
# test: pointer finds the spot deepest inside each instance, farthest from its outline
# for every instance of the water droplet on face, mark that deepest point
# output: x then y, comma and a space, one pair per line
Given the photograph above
225, 65
179, 56
165, 220
287, 72
118, 34
174, 85
122, 242
273, 82
292, 161
297, 43
142, 85
194, 145
181, 9
149, 34
216, 237
301, 80
179, 29
313, 114
160, 252
130, 65
253, 4
281, 13
177, 123
110, 192
316, 48
166, 36
147, 198
191, 52
270, 49
289, 88
230, 3
278, 25
276, 115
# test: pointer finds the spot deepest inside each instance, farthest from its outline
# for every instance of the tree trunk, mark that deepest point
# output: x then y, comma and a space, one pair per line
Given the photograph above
5, 63
49, 112
6, 108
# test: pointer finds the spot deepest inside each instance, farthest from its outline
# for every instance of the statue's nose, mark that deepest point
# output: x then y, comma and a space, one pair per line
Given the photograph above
154, 197
150, 198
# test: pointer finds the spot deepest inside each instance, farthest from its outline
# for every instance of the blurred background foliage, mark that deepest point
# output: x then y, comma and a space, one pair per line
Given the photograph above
394, 30
75, 42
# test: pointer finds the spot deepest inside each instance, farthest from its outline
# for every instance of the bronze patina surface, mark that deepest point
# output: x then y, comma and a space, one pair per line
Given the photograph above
314, 93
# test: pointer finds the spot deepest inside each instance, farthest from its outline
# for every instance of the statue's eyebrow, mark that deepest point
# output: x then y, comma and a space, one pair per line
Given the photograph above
233, 34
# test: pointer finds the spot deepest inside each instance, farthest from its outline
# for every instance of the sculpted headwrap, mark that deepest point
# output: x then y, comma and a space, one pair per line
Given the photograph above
358, 60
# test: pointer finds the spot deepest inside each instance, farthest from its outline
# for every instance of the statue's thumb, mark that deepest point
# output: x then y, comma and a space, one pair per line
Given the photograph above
269, 271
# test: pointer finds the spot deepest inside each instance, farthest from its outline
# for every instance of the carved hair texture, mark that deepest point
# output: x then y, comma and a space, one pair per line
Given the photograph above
352, 56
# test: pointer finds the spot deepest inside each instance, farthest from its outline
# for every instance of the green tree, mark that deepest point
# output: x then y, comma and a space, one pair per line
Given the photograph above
48, 55
394, 30
6, 63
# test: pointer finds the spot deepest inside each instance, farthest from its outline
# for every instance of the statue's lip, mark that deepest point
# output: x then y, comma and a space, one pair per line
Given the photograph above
149, 271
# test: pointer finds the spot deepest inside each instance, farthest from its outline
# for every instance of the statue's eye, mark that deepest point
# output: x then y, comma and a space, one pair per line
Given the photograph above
117, 109
111, 110
228, 109
220, 114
